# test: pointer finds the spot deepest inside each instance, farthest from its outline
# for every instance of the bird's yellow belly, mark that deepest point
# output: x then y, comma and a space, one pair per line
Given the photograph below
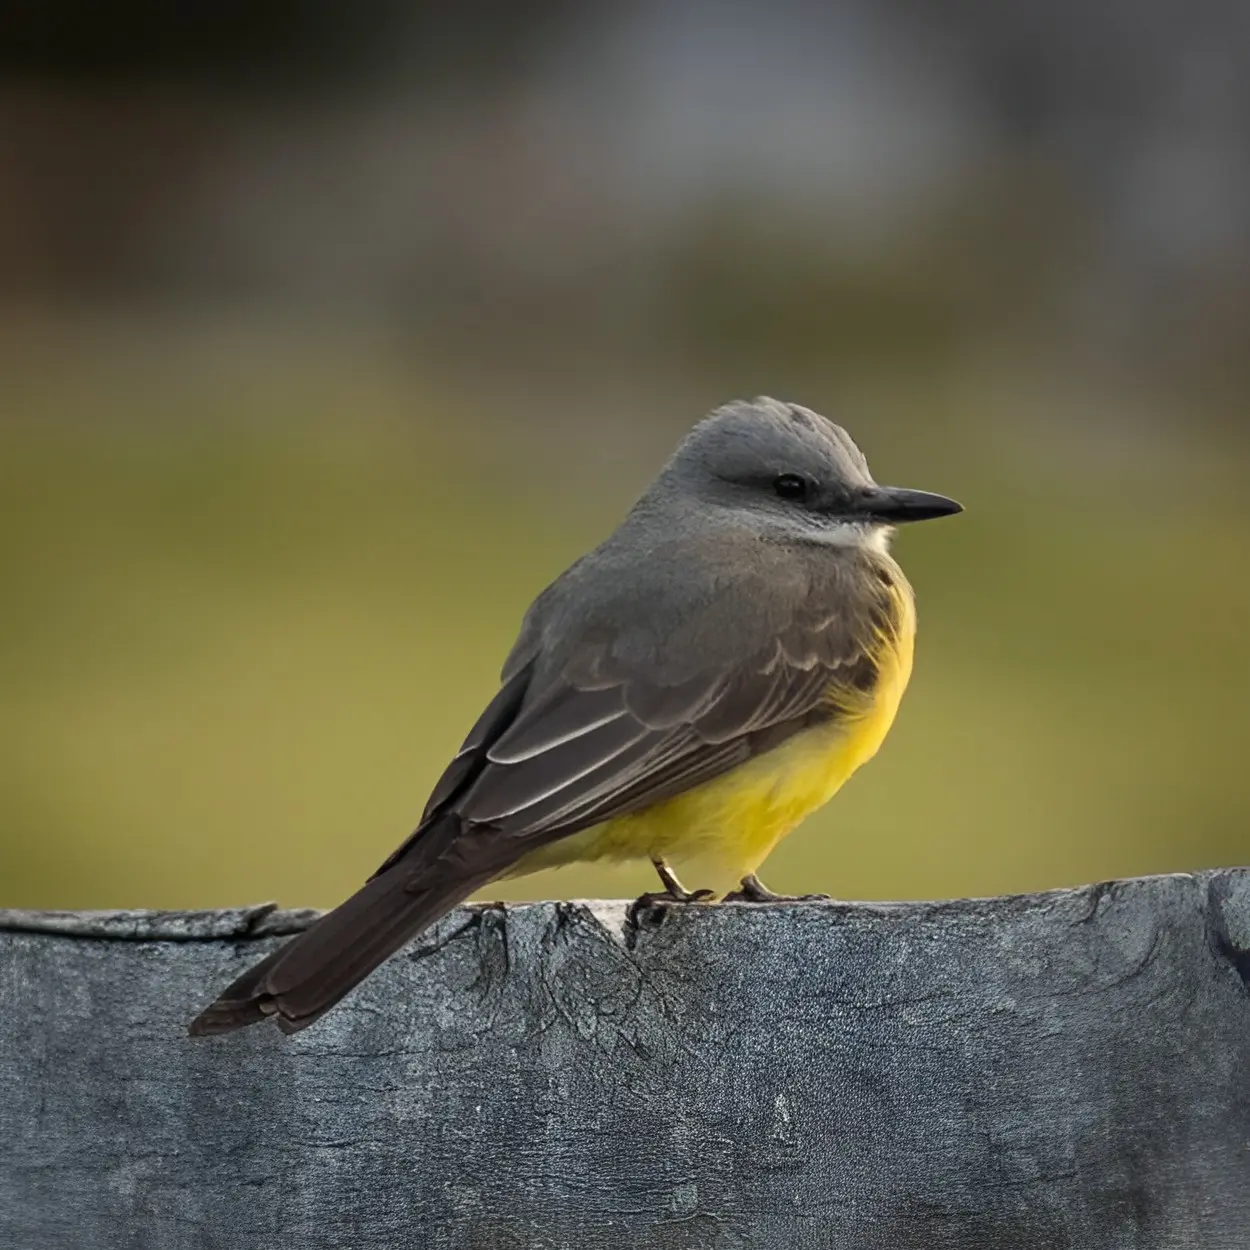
719, 831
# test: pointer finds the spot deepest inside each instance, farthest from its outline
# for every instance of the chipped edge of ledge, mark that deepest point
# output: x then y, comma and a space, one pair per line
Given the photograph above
611, 914
264, 920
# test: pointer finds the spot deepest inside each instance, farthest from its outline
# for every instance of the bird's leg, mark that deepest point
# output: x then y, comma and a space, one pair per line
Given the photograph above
753, 890
674, 888
673, 892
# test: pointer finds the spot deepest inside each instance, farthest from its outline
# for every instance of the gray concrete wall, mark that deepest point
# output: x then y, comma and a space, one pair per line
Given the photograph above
1061, 1071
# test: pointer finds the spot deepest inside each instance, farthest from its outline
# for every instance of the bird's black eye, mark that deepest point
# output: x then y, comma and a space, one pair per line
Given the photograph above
790, 486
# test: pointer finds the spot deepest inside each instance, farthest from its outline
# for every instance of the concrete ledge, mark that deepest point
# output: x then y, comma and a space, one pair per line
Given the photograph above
1064, 1071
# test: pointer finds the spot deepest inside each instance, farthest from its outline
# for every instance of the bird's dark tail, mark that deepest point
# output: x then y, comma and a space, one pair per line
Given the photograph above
302, 980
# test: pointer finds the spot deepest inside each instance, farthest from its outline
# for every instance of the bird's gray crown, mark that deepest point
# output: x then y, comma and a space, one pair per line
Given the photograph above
766, 437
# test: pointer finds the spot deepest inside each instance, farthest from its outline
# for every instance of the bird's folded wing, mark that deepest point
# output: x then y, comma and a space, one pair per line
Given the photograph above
606, 737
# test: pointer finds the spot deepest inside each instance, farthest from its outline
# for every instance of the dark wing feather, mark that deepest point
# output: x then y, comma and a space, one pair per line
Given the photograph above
607, 738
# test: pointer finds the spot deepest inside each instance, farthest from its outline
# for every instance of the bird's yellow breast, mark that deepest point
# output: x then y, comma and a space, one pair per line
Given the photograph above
721, 830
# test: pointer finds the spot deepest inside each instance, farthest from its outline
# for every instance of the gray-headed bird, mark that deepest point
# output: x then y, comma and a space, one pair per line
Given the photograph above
686, 693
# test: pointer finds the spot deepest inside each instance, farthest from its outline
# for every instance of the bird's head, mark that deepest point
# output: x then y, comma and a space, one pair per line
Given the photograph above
785, 469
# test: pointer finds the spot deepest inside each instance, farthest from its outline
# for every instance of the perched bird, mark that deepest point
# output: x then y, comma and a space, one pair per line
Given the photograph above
689, 691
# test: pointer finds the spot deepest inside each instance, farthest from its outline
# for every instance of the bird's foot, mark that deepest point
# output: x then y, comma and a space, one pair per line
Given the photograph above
665, 898
673, 892
673, 896
753, 890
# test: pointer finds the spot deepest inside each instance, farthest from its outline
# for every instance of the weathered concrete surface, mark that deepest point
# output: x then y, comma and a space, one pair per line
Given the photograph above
1067, 1071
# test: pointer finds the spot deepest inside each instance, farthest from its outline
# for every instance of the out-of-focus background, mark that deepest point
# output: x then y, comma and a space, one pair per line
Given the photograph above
330, 333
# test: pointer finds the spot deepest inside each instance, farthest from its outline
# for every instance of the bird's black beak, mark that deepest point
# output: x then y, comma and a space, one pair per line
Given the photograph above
895, 505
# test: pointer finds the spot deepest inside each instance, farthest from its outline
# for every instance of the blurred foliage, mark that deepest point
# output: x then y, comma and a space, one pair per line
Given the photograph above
263, 45
238, 646
744, 279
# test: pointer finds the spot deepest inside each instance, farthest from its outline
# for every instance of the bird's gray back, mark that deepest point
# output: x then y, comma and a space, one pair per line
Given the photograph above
673, 598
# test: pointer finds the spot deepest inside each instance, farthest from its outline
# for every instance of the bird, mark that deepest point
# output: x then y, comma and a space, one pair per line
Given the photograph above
687, 692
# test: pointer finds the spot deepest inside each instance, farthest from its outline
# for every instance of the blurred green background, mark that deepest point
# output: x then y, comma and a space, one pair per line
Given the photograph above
325, 346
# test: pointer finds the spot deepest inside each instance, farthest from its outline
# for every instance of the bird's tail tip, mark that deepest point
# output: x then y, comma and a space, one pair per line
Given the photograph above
226, 1015
244, 1002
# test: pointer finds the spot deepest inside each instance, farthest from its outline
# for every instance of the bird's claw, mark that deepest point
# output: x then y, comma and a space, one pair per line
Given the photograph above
753, 890
674, 896
666, 898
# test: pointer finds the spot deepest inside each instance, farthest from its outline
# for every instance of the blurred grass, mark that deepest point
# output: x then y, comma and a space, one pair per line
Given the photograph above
236, 654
